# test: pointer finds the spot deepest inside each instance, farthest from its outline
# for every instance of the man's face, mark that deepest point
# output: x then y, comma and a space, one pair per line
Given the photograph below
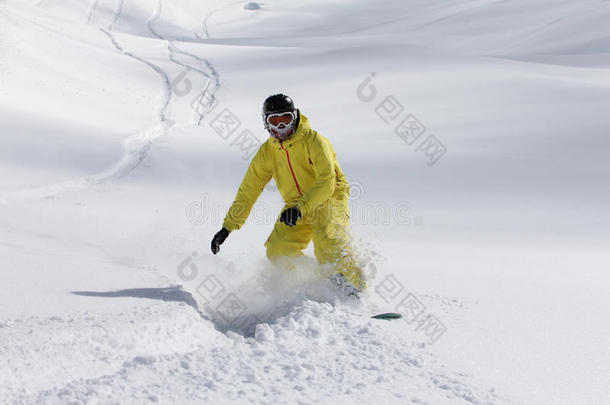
281, 124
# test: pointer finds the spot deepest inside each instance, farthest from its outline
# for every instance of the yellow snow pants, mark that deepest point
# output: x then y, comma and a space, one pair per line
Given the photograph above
328, 227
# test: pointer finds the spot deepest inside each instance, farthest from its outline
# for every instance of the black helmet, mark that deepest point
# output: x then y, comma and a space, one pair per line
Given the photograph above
277, 103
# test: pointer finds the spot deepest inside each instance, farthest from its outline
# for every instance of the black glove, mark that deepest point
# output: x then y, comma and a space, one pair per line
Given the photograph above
219, 238
290, 216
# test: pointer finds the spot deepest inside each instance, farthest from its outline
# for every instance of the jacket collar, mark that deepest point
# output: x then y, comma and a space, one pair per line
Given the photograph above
302, 129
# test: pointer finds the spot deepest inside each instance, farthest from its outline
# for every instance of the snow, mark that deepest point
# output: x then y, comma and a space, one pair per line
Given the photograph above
114, 178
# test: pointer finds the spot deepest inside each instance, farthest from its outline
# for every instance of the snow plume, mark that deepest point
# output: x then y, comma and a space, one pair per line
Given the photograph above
237, 298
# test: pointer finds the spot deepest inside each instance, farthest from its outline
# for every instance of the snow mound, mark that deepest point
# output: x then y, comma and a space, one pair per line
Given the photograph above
259, 293
252, 6
323, 352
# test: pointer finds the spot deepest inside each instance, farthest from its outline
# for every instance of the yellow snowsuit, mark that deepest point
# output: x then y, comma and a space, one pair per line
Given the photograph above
308, 176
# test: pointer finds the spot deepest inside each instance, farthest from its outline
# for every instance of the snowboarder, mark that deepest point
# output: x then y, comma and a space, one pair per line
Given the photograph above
315, 191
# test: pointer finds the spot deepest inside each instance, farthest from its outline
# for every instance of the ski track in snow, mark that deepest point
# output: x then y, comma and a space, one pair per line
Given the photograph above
210, 73
204, 22
92, 11
137, 146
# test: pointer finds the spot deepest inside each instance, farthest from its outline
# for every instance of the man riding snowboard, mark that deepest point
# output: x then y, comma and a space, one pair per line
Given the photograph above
315, 191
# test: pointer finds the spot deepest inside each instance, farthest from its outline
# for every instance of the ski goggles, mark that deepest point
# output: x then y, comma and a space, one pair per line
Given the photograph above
285, 118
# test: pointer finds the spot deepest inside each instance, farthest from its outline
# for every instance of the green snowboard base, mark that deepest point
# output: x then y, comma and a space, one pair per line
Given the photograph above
387, 315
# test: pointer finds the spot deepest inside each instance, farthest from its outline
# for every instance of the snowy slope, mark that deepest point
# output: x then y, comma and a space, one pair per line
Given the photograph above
114, 177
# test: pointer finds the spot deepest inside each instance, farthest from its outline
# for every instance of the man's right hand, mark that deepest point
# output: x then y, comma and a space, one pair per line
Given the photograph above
218, 239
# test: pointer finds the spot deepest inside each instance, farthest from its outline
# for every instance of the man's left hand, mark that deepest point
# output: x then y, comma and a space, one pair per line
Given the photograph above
290, 216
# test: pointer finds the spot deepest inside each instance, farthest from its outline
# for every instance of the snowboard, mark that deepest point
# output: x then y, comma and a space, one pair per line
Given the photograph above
387, 316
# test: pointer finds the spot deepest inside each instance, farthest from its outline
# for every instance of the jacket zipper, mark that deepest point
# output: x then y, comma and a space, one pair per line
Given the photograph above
291, 171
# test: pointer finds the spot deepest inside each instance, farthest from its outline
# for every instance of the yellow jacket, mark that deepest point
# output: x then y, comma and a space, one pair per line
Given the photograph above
304, 167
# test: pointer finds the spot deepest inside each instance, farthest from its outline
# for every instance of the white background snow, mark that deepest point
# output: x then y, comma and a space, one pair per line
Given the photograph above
114, 178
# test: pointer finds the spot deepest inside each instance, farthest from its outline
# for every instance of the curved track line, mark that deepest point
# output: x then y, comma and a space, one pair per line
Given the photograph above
137, 146
204, 22
117, 15
92, 11
207, 97
167, 86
